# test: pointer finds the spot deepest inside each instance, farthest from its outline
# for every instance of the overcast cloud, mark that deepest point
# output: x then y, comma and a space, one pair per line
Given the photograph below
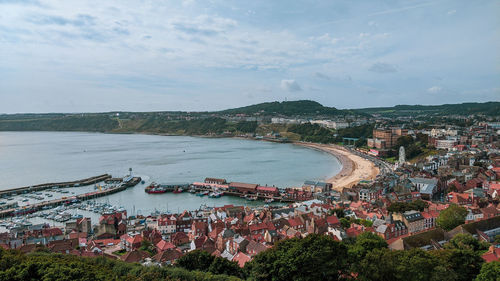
87, 56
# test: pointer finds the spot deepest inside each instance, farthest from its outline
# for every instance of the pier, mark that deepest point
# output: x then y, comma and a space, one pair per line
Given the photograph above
40, 187
71, 199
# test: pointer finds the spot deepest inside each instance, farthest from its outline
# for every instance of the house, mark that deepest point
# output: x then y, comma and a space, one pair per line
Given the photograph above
179, 238
184, 222
392, 230
493, 254
254, 248
130, 243
163, 246
199, 228
168, 256
296, 223
134, 256
241, 259
365, 194
430, 218
203, 243
413, 220
166, 224
333, 221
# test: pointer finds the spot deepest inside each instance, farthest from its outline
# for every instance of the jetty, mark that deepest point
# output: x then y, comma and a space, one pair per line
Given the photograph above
40, 187
127, 182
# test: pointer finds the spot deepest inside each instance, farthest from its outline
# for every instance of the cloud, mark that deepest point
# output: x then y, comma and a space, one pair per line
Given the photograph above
452, 12
79, 20
322, 76
434, 89
381, 67
290, 85
204, 25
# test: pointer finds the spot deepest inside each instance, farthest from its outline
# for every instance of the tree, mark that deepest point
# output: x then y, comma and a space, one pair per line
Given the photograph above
415, 264
466, 264
489, 272
147, 246
365, 242
345, 223
466, 242
224, 266
316, 257
196, 260
451, 217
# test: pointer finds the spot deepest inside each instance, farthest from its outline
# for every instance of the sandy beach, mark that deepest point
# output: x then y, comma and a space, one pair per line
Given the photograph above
354, 168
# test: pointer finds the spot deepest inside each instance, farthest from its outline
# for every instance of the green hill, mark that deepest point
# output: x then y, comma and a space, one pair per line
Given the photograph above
486, 108
289, 108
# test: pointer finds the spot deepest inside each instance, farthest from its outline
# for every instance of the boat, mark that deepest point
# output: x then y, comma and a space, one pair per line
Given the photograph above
250, 198
154, 188
178, 190
202, 193
269, 200
215, 194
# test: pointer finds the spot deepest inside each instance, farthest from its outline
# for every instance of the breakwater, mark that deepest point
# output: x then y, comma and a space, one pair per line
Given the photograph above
40, 187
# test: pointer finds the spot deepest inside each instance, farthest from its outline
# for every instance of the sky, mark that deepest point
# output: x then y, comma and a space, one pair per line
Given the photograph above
198, 55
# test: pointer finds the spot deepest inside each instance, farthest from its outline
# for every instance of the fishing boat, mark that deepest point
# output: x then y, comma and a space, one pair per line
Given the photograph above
215, 194
155, 188
178, 190
250, 197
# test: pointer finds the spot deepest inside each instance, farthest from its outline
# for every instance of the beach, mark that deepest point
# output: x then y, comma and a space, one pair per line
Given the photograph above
354, 168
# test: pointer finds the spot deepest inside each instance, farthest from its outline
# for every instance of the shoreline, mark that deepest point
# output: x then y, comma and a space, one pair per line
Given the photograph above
354, 168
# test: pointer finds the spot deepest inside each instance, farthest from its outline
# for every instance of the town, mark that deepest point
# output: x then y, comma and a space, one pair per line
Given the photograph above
421, 204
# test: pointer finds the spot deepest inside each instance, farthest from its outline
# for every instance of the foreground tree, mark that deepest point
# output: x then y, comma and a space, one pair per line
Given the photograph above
451, 217
489, 272
316, 257
365, 242
415, 265
196, 260
464, 241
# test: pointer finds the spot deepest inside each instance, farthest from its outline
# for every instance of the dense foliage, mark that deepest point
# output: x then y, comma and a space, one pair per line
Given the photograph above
203, 126
15, 266
289, 108
487, 108
90, 123
312, 258
246, 126
312, 133
451, 217
203, 261
401, 207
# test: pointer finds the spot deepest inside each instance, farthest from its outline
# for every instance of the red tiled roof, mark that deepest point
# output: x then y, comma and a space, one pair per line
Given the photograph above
241, 259
164, 245
492, 255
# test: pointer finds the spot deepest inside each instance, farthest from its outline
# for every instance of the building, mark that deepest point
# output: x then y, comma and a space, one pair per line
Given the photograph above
445, 144
243, 187
414, 221
386, 138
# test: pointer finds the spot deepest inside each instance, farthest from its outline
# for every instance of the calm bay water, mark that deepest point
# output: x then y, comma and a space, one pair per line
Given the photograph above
28, 158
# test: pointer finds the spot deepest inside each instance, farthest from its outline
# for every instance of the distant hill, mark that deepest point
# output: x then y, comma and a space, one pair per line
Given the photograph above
289, 108
487, 108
